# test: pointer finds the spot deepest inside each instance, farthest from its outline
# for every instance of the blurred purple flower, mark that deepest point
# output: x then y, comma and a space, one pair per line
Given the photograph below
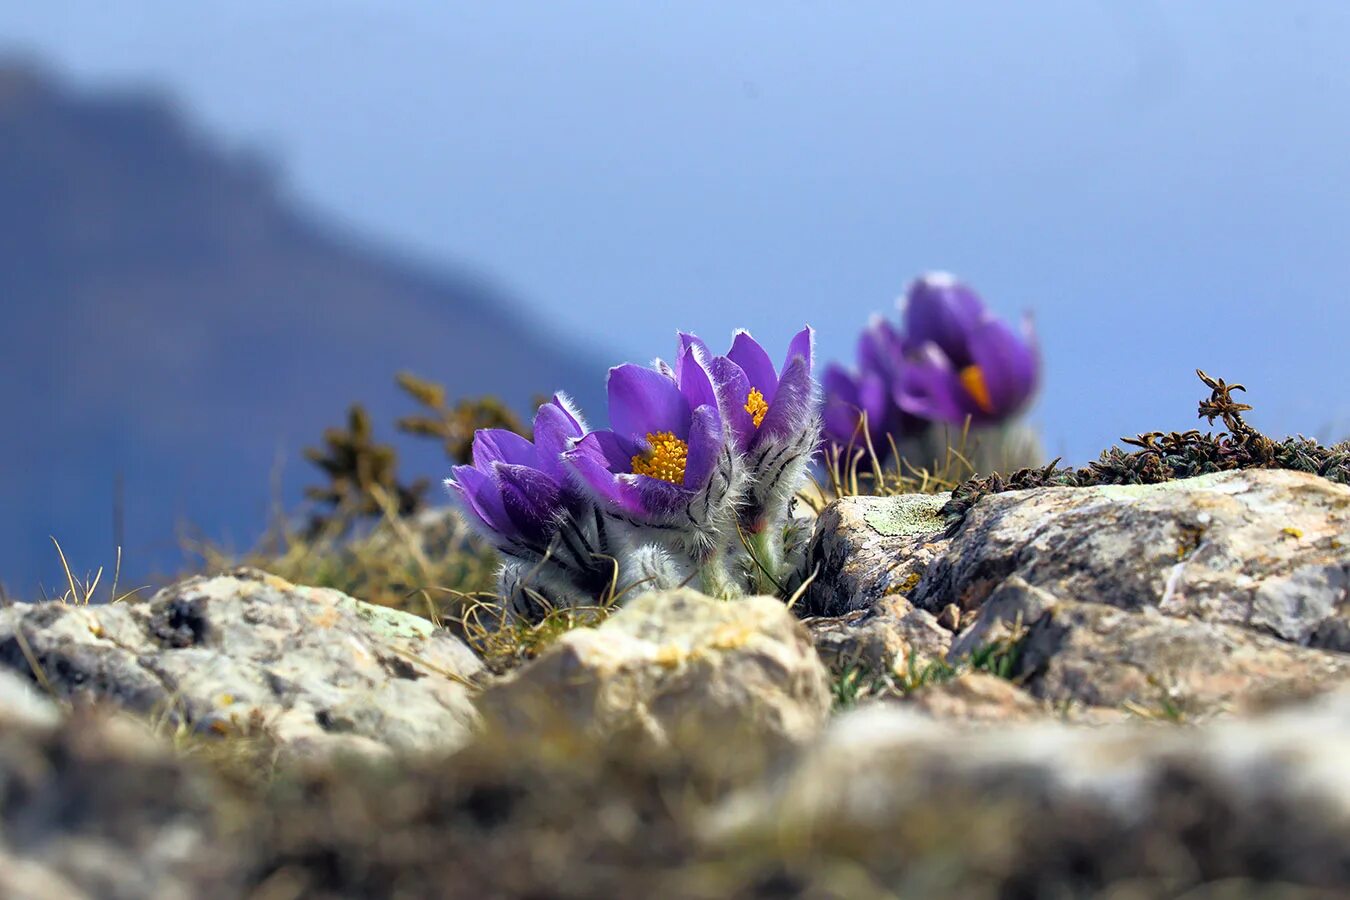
664, 446
517, 491
848, 397
959, 359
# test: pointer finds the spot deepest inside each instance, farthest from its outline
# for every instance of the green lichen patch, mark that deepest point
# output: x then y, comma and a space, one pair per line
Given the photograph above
906, 515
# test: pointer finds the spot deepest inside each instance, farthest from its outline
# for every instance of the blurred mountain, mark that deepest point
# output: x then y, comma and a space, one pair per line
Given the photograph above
171, 320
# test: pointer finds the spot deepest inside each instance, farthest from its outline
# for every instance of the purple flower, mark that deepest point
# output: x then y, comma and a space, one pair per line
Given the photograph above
518, 491
960, 360
847, 398
660, 458
761, 403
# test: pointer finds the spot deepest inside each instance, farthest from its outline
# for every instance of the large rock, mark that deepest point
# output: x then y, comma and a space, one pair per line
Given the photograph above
914, 807
1146, 661
675, 672
309, 668
1187, 597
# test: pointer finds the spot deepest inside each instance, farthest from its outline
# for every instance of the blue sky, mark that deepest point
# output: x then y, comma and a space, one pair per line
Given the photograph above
1166, 186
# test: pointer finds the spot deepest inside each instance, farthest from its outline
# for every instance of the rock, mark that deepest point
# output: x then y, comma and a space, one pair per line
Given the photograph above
865, 548
1267, 549
673, 671
923, 808
976, 697
94, 806
1178, 599
884, 638
312, 669
1146, 661
21, 705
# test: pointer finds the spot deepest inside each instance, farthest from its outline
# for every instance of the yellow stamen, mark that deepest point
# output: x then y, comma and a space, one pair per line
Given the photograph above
665, 460
756, 407
972, 379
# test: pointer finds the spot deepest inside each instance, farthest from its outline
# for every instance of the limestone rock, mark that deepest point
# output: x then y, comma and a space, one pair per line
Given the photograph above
1146, 661
926, 808
674, 671
313, 669
886, 637
1264, 549
976, 697
864, 548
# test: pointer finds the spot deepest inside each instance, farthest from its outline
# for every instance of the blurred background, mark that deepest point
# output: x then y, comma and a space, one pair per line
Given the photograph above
222, 224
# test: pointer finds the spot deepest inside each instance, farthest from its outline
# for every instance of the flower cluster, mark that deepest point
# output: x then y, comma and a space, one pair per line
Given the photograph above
691, 483
950, 361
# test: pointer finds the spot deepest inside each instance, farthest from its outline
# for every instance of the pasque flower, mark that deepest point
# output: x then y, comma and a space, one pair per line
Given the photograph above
962, 361
773, 425
852, 398
664, 462
949, 360
521, 497
772, 415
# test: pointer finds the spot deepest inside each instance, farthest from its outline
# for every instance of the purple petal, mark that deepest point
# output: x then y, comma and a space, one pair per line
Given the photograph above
596, 459
492, 445
931, 389
940, 309
695, 384
733, 387
651, 498
483, 498
754, 361
848, 396
1008, 365
802, 344
705, 443
642, 402
555, 428
795, 402
881, 350
532, 500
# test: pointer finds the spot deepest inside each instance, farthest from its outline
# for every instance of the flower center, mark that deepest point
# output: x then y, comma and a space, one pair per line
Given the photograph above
972, 379
665, 460
755, 406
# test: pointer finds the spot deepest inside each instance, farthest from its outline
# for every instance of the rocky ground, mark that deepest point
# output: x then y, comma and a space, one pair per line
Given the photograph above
1115, 691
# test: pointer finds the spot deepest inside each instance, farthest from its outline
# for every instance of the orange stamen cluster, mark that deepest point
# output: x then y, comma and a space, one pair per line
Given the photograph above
665, 460
972, 379
756, 406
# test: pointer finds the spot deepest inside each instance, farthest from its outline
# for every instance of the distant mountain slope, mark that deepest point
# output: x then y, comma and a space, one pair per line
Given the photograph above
166, 316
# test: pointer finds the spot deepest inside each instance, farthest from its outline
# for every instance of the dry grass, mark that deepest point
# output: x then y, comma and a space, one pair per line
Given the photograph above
430, 565
859, 469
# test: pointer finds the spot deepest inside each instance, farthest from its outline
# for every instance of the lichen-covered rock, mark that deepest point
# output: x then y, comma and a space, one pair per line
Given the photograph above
1268, 549
1265, 549
1147, 661
891, 635
673, 671
927, 808
313, 669
865, 548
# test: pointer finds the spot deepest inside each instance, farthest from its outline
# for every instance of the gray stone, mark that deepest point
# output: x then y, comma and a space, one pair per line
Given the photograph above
312, 669
889, 636
673, 671
1267, 549
929, 808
